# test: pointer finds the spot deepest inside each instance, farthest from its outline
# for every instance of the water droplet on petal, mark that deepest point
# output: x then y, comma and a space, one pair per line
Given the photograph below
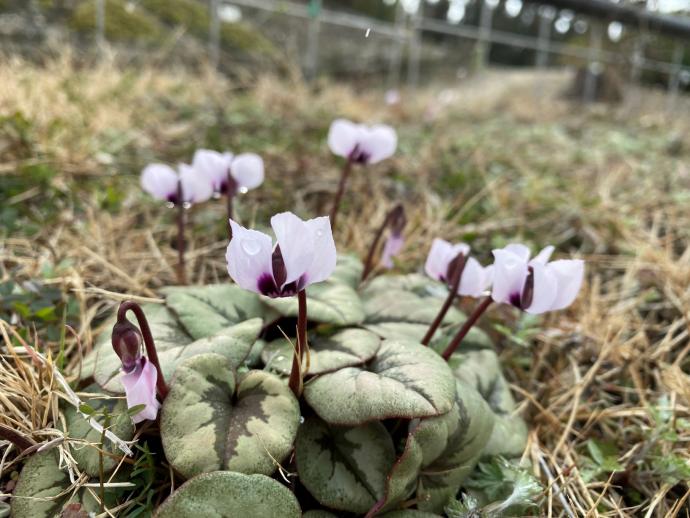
186, 205
251, 246
243, 190
301, 419
319, 233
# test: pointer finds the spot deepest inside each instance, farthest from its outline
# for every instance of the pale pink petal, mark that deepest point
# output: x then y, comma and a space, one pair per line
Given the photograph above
569, 274
325, 256
342, 137
248, 171
488, 276
441, 254
473, 280
211, 165
545, 290
160, 181
140, 389
519, 250
543, 256
195, 187
509, 275
296, 243
378, 143
391, 248
249, 257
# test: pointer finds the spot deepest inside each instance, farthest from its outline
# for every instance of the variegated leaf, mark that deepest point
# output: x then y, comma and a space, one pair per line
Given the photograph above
344, 468
348, 270
405, 379
206, 310
207, 425
329, 302
326, 354
481, 369
228, 494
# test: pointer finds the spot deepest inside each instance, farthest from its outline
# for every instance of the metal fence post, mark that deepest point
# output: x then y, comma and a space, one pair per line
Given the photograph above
594, 67
484, 42
545, 15
311, 63
396, 49
214, 33
100, 23
415, 49
674, 76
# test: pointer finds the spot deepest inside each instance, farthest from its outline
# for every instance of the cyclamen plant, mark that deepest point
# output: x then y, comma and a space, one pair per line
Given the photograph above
310, 383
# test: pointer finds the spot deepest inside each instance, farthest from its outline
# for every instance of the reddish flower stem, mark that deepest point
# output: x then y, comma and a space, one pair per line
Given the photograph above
230, 197
296, 372
452, 293
181, 270
341, 189
376, 508
466, 327
369, 263
19, 440
148, 340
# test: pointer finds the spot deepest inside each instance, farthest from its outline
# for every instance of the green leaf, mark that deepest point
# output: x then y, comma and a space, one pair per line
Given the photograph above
348, 270
326, 354
132, 411
481, 370
207, 425
206, 310
40, 478
344, 468
405, 379
328, 302
227, 494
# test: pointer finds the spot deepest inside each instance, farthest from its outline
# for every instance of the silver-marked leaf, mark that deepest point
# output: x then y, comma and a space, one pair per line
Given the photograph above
87, 454
329, 302
481, 369
402, 479
475, 339
225, 494
205, 310
405, 379
344, 468
319, 514
348, 270
40, 481
410, 513
451, 446
326, 354
204, 428
414, 282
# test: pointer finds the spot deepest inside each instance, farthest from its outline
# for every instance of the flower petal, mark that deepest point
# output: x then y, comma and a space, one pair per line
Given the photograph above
569, 274
545, 290
248, 170
325, 256
296, 243
211, 165
160, 181
441, 254
473, 281
196, 188
519, 250
391, 248
378, 142
249, 257
543, 256
510, 273
140, 389
342, 137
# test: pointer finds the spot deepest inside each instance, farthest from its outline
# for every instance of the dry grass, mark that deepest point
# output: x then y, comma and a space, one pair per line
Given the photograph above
485, 161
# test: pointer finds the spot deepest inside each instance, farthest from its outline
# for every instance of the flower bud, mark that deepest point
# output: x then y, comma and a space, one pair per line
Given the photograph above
127, 340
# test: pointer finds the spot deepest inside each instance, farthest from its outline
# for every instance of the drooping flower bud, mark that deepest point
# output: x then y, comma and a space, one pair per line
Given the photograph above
127, 340
396, 221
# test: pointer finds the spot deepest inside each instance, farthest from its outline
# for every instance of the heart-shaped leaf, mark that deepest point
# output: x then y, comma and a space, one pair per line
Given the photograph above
344, 468
206, 310
405, 379
348, 270
481, 369
329, 302
228, 494
326, 354
414, 282
204, 428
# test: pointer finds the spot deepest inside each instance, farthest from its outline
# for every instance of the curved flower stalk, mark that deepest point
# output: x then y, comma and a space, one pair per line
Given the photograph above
304, 254
228, 173
358, 144
532, 285
452, 265
142, 377
181, 189
396, 220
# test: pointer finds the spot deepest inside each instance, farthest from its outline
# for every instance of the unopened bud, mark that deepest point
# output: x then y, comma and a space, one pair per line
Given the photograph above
127, 340
397, 220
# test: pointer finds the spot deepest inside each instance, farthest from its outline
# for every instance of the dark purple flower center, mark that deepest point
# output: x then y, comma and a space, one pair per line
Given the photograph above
524, 299
359, 156
454, 270
270, 285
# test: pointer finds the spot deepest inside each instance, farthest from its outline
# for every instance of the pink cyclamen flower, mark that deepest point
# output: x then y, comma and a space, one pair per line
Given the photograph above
441, 261
246, 170
391, 248
161, 182
304, 254
140, 389
360, 143
536, 285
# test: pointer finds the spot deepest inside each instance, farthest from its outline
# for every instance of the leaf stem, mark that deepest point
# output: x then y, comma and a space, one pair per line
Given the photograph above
341, 189
181, 270
295, 373
460, 261
148, 340
466, 327
376, 508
